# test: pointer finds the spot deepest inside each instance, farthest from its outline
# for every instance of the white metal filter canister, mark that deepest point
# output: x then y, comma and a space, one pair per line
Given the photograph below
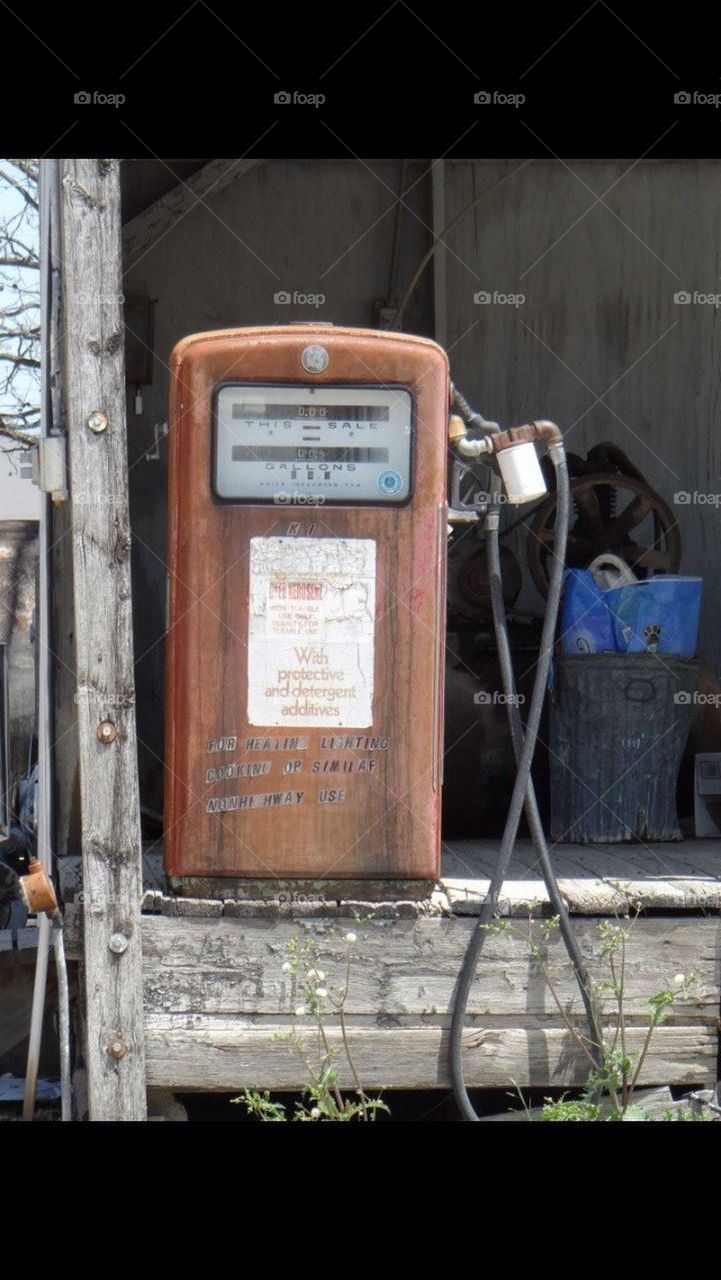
521, 473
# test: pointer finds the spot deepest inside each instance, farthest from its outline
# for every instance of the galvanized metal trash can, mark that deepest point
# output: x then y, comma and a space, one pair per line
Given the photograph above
618, 728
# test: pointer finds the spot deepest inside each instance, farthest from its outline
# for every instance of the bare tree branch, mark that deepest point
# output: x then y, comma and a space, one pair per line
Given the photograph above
10, 432
19, 300
18, 262
22, 362
19, 187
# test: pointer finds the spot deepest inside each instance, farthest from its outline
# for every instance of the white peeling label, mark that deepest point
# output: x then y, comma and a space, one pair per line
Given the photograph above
311, 632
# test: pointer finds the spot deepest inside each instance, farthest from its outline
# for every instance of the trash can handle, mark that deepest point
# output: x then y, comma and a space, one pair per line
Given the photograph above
638, 690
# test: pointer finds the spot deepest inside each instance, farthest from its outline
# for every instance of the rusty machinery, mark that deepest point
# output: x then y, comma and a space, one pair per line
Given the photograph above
615, 509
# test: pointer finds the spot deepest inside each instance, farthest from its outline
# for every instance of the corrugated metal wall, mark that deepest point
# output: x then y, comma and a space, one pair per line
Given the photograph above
598, 342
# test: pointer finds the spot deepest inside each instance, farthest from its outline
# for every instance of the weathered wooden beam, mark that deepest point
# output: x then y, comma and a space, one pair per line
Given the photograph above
217, 1000
148, 227
94, 391
409, 968
215, 1053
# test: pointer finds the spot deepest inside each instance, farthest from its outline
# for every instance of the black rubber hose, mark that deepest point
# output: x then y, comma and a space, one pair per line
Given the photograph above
469, 415
520, 789
466, 412
533, 816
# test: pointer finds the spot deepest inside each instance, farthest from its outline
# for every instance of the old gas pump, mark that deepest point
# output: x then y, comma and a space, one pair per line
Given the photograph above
308, 514
307, 580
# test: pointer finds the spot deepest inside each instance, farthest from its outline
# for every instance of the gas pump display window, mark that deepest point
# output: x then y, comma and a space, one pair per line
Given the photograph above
306, 444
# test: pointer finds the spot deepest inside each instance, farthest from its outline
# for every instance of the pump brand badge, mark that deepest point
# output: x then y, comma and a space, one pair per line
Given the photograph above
311, 632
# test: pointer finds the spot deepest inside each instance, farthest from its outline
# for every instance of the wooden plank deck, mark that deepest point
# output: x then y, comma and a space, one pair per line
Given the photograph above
594, 879
217, 1003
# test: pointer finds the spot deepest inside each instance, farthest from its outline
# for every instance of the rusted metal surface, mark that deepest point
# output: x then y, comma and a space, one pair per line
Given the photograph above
37, 891
541, 430
388, 825
469, 598
614, 511
106, 732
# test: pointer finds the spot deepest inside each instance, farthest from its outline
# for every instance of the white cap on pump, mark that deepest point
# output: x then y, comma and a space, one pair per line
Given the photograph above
521, 473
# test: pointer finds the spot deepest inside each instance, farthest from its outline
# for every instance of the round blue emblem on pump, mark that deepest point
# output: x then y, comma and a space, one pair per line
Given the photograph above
390, 482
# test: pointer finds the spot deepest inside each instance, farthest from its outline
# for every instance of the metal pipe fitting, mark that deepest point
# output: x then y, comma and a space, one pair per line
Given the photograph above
474, 448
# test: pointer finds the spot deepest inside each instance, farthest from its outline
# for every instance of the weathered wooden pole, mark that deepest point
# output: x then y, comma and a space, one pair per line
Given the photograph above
94, 400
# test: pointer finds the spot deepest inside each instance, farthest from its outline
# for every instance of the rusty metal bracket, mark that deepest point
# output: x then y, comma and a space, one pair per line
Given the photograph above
37, 891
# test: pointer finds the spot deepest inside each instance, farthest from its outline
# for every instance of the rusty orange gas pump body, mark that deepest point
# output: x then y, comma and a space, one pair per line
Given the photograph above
304, 660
